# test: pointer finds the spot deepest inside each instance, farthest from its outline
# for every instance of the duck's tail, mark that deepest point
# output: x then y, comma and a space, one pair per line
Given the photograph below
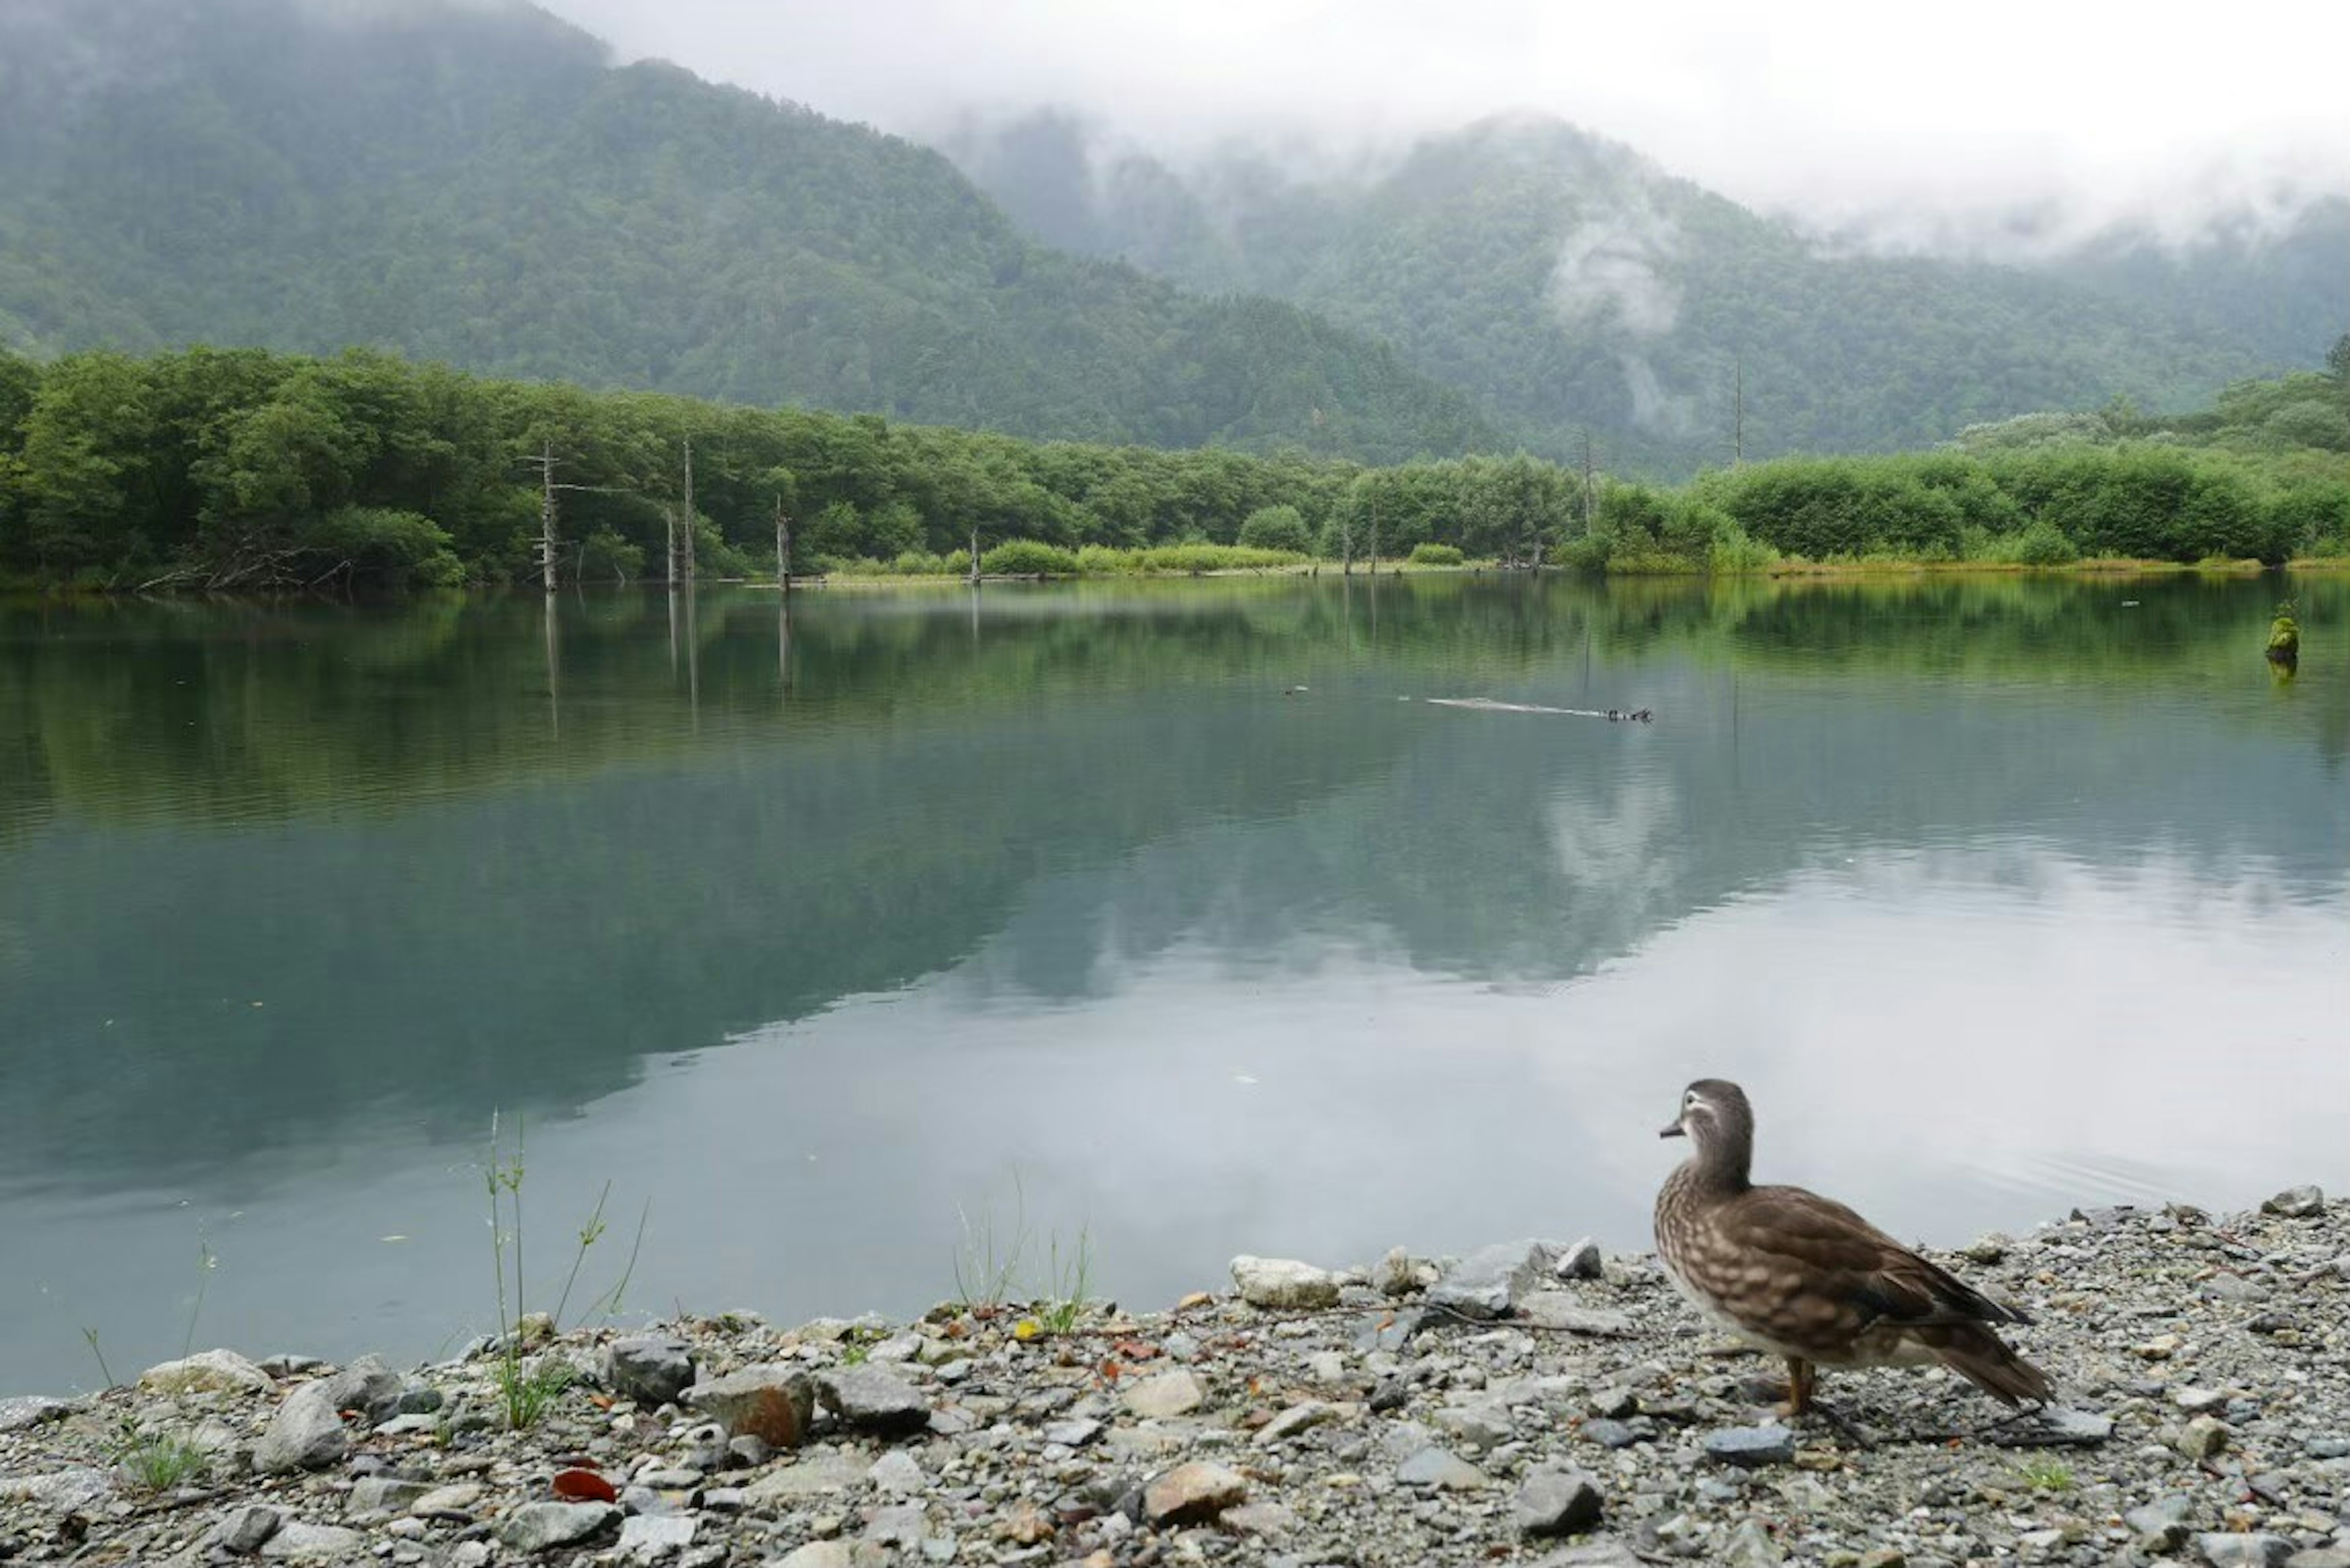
1988, 1362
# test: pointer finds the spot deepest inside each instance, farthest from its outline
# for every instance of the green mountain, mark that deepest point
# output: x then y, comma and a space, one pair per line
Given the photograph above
473, 180
1570, 284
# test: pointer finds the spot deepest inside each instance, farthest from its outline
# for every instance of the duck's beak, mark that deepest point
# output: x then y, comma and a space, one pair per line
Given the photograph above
1675, 1130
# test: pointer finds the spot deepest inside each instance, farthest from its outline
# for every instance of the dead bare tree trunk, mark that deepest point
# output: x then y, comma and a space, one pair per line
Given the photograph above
689, 528
546, 547
782, 549
974, 554
668, 523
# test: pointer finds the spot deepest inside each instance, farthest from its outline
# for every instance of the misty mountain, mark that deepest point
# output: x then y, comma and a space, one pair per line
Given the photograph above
474, 181
1568, 282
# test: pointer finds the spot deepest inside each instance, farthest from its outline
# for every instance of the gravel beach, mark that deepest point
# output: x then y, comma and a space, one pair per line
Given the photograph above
1535, 1402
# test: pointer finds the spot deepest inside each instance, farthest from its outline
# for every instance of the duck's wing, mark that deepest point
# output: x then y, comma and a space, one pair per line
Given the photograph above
1818, 1248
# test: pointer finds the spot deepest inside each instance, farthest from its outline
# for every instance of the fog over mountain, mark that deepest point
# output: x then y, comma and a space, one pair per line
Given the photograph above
2008, 129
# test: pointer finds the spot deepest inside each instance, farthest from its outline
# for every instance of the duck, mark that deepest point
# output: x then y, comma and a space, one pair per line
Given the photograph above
1804, 1278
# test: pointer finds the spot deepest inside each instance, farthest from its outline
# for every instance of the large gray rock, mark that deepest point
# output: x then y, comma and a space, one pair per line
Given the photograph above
769, 1402
376, 1495
648, 1536
32, 1410
296, 1542
2226, 1550
243, 1530
1558, 1311
868, 1399
1580, 1261
544, 1526
1556, 1502
1493, 1280
1748, 1447
2161, 1525
1750, 1546
2295, 1203
307, 1433
206, 1372
649, 1370
1192, 1493
1284, 1283
72, 1490
1433, 1467
819, 1475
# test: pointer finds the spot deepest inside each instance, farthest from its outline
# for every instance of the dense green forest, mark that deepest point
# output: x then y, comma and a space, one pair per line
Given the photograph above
474, 182
1571, 284
238, 468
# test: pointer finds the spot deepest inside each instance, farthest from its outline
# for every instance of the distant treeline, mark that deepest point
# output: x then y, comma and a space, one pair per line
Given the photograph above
241, 469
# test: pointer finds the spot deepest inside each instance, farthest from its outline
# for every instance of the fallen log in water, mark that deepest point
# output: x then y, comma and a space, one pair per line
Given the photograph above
1488, 705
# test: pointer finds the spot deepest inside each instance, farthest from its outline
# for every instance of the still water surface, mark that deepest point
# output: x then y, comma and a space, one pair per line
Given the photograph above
818, 934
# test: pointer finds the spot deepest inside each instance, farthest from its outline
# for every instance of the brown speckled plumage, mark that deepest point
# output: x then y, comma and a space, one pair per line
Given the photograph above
1810, 1279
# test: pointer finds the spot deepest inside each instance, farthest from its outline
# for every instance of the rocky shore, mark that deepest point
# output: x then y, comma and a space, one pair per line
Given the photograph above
1533, 1403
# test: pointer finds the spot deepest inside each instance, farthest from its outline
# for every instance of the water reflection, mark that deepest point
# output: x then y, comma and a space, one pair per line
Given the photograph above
1997, 896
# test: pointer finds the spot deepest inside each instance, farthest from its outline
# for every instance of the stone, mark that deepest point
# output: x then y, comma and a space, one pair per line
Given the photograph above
1750, 1546
1884, 1557
367, 1386
1493, 1280
244, 1530
2295, 1203
544, 1526
815, 1476
1193, 1494
1478, 1426
649, 1370
869, 1399
1556, 1502
68, 1490
1074, 1433
295, 1541
2202, 1438
1561, 1313
1391, 1331
1297, 1419
372, 1495
2056, 1427
1580, 1261
206, 1372
1176, 1393
459, 1498
898, 1471
834, 1555
1435, 1467
307, 1433
1610, 1433
2228, 1551
1284, 1283
1748, 1447
2319, 1557
2160, 1525
1397, 1275
1591, 1554
772, 1403
900, 1524
649, 1536
1270, 1520
31, 1410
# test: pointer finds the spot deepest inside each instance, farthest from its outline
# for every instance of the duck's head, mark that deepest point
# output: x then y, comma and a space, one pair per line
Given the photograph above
1714, 1116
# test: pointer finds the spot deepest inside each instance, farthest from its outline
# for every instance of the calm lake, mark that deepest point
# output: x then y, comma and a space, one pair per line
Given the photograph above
828, 935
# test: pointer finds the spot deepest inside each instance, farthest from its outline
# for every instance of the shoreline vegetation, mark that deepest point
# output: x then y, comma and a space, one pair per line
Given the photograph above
244, 471
1533, 1402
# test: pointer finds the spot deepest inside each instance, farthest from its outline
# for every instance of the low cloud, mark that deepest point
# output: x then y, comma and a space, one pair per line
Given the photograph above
1898, 126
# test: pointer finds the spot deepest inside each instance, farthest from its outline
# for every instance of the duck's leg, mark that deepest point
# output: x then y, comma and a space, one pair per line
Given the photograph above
1799, 1385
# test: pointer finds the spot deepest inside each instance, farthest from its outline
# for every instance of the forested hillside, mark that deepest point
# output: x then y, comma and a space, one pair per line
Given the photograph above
475, 182
1569, 283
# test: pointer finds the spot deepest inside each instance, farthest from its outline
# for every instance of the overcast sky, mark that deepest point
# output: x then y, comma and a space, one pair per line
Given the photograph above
1939, 113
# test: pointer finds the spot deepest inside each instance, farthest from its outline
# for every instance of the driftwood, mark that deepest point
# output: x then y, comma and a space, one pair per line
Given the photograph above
1487, 705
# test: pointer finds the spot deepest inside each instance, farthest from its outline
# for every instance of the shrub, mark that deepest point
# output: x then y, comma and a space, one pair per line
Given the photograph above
1276, 528
381, 547
2314, 518
1436, 555
1028, 559
2044, 544
918, 564
956, 564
